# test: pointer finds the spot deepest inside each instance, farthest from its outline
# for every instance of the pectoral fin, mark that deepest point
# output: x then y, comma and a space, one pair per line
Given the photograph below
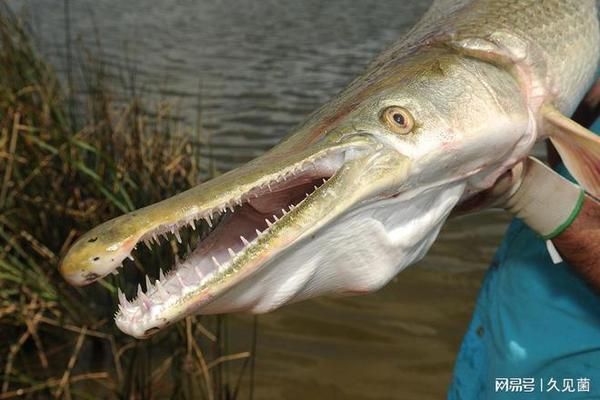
578, 147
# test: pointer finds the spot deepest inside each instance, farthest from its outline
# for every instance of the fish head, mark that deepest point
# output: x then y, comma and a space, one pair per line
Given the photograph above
351, 197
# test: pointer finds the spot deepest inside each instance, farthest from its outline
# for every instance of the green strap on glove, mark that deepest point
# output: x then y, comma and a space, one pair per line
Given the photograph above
561, 228
544, 200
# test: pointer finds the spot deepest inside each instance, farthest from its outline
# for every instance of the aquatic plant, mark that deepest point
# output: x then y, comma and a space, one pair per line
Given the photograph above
70, 159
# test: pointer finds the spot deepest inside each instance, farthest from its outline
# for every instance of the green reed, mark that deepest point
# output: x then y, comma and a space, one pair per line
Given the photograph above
68, 163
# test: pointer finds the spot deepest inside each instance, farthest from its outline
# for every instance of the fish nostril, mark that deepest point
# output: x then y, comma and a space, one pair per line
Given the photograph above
96, 258
91, 277
151, 331
92, 240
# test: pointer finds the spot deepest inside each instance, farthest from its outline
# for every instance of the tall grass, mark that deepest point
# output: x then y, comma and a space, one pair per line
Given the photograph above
62, 171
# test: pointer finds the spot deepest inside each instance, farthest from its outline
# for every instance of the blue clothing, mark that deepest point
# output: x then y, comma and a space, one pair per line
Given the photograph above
534, 321
596, 126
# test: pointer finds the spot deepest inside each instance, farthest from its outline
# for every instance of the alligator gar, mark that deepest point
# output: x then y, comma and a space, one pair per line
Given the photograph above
360, 190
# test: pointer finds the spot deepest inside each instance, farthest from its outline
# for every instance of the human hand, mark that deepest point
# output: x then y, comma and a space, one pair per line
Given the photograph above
544, 200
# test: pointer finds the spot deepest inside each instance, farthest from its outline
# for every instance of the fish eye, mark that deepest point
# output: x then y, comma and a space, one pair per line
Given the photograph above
398, 119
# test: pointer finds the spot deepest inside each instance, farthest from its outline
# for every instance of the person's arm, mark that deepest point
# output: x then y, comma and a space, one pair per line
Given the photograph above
552, 206
555, 208
579, 244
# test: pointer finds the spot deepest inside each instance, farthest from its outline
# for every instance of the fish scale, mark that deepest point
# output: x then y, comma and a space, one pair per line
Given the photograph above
565, 32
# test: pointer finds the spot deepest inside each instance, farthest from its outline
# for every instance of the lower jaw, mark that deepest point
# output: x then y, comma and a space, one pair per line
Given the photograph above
189, 277
213, 256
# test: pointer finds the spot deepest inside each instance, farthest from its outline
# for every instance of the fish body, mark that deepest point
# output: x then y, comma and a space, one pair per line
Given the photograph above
360, 190
551, 45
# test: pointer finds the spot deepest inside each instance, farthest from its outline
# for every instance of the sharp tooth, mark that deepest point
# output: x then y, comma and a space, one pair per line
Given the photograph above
275, 217
208, 221
198, 272
193, 224
307, 194
115, 272
283, 211
315, 186
324, 180
243, 239
268, 222
291, 207
139, 291
144, 301
142, 297
148, 245
126, 311
177, 236
164, 235
258, 233
121, 296
161, 290
231, 252
215, 261
161, 274
172, 230
130, 257
188, 249
148, 283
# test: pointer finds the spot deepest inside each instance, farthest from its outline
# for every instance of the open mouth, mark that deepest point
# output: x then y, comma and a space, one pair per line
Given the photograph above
254, 214
237, 227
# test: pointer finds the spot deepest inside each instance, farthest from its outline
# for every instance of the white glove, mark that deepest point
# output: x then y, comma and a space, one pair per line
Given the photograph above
544, 200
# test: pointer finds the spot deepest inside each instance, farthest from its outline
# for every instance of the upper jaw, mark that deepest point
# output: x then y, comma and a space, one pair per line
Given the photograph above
199, 279
194, 284
103, 249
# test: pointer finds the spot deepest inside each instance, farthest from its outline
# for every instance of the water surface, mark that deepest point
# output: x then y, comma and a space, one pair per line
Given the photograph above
256, 69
